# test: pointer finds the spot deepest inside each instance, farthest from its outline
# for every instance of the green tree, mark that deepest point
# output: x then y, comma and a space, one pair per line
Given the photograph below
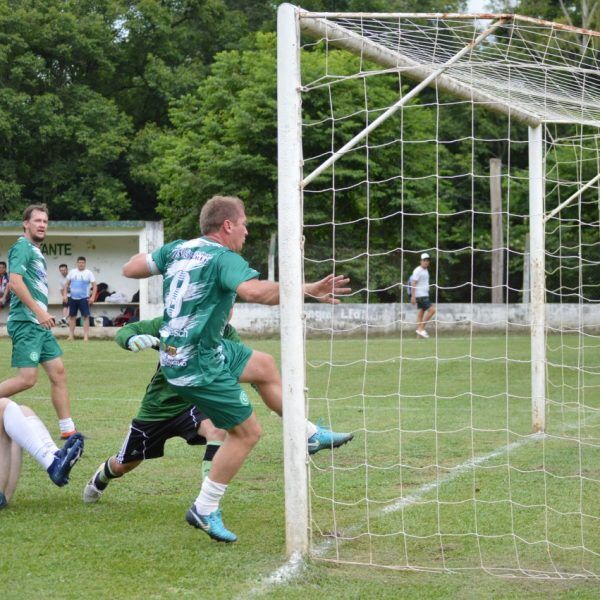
61, 139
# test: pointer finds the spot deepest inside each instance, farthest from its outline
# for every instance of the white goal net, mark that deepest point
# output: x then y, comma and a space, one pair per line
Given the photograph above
477, 142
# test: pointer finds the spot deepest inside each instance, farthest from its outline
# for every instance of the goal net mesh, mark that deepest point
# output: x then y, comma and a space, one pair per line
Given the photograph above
444, 472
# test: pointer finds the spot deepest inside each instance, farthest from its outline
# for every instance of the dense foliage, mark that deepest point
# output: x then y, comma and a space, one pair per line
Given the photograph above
113, 109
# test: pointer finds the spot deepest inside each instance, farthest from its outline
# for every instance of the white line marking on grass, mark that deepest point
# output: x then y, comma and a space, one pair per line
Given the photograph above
288, 571
294, 566
458, 470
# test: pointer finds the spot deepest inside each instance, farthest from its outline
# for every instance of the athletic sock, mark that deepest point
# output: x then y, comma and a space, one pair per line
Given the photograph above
209, 454
209, 497
20, 429
104, 475
43, 433
311, 429
67, 427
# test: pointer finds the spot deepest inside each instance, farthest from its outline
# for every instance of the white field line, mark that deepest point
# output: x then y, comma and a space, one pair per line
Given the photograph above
294, 566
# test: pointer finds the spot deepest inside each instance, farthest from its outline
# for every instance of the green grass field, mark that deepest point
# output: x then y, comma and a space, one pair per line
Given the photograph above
402, 494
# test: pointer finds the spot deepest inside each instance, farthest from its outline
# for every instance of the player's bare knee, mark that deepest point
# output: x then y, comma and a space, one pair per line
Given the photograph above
255, 433
270, 371
27, 379
28, 412
252, 433
210, 432
58, 375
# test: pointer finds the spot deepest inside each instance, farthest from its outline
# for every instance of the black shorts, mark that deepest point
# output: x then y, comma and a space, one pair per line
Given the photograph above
146, 439
80, 304
423, 302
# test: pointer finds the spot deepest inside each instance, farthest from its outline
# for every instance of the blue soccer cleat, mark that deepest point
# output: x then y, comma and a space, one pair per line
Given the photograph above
212, 524
327, 439
3, 501
65, 458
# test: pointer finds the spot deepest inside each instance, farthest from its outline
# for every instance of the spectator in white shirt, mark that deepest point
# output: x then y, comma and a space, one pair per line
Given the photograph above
80, 300
420, 295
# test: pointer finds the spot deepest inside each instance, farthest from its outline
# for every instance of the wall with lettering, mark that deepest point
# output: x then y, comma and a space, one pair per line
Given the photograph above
105, 257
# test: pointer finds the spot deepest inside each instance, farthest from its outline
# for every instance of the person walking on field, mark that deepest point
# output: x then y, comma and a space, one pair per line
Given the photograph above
420, 295
202, 278
29, 322
80, 298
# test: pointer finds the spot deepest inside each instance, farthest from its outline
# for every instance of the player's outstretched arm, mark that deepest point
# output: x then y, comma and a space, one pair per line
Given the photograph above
149, 328
137, 267
326, 289
267, 292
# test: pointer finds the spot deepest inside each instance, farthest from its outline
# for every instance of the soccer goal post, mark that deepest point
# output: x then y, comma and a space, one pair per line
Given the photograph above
476, 422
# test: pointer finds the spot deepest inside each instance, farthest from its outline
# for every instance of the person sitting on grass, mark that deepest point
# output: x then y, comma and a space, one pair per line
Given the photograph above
21, 429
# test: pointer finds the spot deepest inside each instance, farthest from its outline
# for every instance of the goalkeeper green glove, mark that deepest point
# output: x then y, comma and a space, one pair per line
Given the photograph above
142, 342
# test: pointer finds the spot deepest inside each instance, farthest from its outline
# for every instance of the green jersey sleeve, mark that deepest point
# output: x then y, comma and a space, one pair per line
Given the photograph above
233, 270
150, 327
161, 256
18, 258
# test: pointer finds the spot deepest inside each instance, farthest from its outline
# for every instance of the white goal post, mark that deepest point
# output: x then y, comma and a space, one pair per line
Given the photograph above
540, 78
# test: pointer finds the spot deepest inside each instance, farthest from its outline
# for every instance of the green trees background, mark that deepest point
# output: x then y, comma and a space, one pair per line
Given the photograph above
123, 109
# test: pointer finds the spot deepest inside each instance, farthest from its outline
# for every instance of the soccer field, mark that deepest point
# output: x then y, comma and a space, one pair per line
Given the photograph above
426, 483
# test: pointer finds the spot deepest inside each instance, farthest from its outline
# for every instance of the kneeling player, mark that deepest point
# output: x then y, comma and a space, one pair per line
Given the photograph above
21, 428
162, 415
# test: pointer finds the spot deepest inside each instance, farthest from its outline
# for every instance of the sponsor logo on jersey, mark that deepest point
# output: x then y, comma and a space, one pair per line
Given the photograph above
198, 256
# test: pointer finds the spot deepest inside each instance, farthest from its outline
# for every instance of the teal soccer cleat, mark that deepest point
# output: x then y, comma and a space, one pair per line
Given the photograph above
327, 439
211, 524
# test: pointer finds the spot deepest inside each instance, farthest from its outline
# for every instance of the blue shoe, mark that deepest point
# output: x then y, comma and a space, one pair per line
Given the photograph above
3, 501
65, 458
327, 439
211, 524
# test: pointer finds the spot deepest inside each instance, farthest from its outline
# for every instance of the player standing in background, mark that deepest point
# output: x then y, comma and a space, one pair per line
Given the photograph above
21, 428
62, 283
80, 298
202, 277
162, 415
4, 287
420, 295
29, 322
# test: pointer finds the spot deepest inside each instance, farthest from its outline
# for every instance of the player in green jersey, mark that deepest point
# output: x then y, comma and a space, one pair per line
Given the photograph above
202, 278
29, 322
162, 415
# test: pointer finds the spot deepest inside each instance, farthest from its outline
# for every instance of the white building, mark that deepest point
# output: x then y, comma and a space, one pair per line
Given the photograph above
106, 245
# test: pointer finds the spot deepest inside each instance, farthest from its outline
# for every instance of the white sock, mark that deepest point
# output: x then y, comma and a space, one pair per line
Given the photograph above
66, 425
21, 431
209, 497
311, 429
43, 433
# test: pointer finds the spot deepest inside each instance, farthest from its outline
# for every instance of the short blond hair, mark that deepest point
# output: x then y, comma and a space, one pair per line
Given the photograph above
217, 210
29, 210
